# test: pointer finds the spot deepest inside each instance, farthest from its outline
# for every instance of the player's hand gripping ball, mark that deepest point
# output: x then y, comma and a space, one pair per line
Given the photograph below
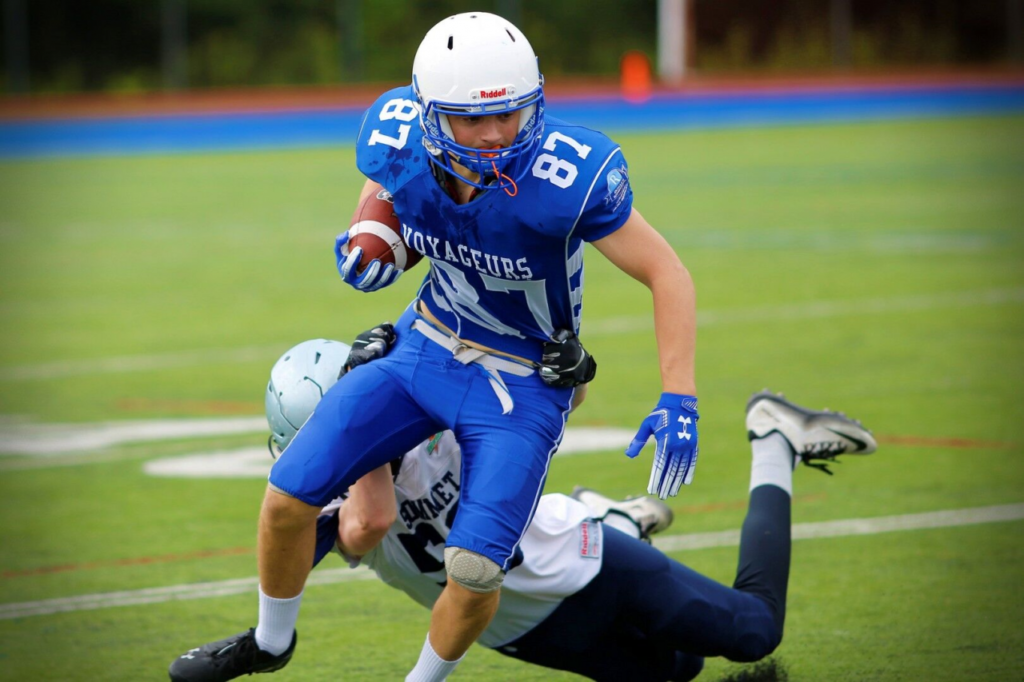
372, 254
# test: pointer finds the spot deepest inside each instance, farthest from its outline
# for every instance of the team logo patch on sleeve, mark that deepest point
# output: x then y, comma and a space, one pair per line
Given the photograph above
618, 185
590, 540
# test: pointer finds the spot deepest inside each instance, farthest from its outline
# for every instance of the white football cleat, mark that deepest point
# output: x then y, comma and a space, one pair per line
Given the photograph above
812, 435
651, 515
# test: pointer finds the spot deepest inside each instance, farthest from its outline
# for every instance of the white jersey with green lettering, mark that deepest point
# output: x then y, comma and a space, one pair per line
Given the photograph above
561, 549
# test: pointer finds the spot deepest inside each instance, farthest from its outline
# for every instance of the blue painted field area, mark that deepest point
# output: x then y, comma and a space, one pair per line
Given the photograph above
328, 127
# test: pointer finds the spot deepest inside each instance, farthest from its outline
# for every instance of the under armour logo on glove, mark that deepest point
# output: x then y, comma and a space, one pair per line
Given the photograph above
673, 423
685, 433
373, 276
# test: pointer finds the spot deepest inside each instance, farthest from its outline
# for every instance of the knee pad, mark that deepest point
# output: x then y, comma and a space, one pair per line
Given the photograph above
473, 571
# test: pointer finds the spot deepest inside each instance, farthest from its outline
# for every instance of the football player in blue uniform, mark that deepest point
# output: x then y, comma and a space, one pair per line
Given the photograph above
501, 200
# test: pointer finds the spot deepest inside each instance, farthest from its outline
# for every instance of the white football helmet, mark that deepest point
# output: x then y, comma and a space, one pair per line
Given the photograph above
298, 381
478, 64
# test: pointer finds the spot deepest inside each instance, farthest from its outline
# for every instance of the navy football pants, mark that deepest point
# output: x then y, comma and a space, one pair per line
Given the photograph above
648, 617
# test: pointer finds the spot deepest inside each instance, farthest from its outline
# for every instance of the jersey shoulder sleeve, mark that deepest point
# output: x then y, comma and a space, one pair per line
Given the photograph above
389, 149
601, 197
609, 202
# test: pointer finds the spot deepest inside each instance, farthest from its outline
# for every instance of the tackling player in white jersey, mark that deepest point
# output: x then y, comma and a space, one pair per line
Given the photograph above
585, 594
560, 553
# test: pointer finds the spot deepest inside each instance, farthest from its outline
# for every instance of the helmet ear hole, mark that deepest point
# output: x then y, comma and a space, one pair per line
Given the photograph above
451, 40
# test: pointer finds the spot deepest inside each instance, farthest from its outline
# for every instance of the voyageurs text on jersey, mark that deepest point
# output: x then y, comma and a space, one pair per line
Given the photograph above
506, 272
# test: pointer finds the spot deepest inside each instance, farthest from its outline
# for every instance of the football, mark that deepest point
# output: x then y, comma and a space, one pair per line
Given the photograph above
377, 230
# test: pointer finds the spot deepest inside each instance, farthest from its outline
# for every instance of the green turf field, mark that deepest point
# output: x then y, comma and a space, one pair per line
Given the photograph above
876, 268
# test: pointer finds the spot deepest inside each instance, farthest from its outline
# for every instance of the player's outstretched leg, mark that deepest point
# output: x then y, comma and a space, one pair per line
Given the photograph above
650, 515
782, 434
813, 436
227, 659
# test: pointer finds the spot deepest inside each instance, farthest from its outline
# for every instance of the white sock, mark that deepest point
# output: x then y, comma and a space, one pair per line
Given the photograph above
276, 625
431, 667
621, 521
773, 463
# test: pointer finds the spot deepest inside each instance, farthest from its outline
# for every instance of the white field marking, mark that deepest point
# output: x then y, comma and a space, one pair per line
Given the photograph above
601, 327
240, 463
53, 439
890, 243
75, 460
813, 310
585, 439
871, 526
256, 462
157, 595
801, 531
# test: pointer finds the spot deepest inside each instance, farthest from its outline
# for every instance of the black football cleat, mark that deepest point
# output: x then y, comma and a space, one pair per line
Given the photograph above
227, 659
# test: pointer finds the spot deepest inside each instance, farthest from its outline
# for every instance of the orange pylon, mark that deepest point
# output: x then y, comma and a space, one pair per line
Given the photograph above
635, 77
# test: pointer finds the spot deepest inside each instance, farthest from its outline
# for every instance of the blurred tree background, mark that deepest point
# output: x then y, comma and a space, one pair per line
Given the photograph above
139, 45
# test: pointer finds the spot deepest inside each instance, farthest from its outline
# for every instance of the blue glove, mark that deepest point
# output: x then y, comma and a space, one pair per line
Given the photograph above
374, 276
673, 423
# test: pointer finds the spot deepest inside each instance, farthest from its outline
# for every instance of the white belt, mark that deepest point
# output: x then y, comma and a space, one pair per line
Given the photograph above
490, 364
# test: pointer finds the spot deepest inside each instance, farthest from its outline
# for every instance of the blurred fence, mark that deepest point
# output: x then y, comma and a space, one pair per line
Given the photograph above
142, 45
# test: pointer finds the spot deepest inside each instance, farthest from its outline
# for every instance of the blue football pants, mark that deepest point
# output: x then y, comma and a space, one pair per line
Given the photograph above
382, 409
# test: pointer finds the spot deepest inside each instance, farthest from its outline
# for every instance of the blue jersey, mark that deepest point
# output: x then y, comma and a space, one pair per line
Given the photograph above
506, 272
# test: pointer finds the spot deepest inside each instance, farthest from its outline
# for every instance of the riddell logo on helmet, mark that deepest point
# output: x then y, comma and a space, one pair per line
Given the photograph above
492, 93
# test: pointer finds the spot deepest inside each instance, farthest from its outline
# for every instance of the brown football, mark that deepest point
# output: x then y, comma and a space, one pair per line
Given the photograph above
376, 228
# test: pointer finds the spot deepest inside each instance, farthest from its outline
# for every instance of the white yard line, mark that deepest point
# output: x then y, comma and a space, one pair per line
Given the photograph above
673, 543
812, 310
157, 595
890, 243
255, 462
597, 327
47, 441
846, 527
53, 439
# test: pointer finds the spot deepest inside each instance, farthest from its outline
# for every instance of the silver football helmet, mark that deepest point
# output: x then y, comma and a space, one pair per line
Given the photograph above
298, 381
